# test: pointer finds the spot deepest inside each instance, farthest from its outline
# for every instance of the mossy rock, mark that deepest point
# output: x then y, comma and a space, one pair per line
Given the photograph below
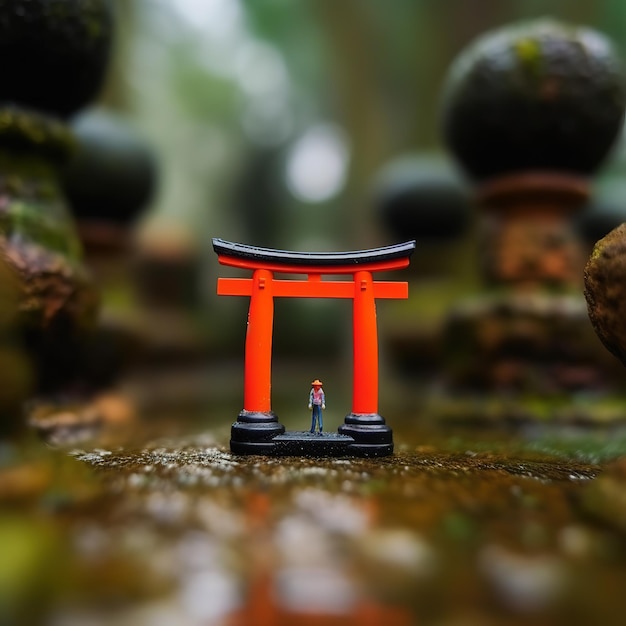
55, 52
24, 131
605, 291
422, 197
532, 96
113, 173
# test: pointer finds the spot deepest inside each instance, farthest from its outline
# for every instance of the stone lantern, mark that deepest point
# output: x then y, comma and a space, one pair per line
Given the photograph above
55, 56
530, 112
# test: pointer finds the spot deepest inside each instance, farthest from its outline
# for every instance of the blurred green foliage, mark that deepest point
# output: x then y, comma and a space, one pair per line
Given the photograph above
227, 90
192, 75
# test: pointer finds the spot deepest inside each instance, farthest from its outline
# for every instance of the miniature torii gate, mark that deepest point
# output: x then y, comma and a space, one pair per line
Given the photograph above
262, 288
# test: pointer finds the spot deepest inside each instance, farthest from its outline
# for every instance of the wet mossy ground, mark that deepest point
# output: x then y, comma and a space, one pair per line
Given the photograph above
130, 520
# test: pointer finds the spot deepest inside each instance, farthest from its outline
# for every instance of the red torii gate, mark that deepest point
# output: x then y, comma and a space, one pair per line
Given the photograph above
363, 423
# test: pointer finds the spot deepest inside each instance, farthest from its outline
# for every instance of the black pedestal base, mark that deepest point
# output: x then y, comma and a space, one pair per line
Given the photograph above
253, 432
305, 443
372, 437
362, 435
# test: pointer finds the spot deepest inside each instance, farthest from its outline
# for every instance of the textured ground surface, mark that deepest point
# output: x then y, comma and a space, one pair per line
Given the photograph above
463, 529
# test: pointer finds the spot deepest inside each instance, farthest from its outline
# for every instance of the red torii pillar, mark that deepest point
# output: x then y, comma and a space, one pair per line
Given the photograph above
262, 288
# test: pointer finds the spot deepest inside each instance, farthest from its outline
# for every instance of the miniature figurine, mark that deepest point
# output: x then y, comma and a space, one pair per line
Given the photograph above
317, 402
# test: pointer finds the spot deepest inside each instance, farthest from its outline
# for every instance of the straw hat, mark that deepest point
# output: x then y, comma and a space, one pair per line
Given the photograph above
316, 382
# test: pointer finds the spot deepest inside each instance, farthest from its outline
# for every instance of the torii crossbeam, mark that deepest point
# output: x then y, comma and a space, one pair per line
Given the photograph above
257, 430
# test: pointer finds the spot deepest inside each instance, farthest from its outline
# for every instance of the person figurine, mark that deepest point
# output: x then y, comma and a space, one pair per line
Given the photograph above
317, 402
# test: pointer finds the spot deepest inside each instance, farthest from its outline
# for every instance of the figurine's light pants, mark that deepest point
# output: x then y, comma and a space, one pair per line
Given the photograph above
317, 418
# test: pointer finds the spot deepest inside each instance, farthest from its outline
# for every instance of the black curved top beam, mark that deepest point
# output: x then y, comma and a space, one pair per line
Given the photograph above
321, 259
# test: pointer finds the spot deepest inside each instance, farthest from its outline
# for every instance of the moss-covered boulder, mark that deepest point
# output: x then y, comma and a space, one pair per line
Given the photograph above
54, 52
605, 291
112, 175
422, 197
534, 95
54, 300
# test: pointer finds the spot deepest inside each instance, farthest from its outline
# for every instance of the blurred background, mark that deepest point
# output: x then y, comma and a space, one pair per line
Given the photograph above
307, 126
242, 97
271, 119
